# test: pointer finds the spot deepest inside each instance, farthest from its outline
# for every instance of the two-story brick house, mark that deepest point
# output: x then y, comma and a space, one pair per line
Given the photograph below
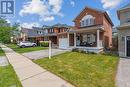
124, 31
92, 31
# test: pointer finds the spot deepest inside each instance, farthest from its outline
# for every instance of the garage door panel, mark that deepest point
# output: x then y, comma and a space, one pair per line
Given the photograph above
63, 43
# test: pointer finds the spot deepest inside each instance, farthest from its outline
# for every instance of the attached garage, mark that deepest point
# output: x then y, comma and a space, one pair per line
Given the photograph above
63, 43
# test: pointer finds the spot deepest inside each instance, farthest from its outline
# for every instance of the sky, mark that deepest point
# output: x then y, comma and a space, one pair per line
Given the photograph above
49, 12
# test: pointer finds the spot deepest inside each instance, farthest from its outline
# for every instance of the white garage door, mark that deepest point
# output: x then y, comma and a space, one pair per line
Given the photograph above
63, 43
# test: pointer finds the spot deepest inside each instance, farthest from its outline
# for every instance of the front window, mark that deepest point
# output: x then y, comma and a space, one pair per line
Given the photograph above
87, 21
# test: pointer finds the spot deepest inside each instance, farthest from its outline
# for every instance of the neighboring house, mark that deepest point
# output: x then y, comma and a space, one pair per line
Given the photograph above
43, 34
92, 31
124, 31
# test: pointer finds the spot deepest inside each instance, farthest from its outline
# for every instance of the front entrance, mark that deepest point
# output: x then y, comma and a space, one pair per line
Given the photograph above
128, 46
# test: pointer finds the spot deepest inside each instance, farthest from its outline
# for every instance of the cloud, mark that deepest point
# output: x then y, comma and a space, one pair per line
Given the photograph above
110, 4
46, 9
30, 25
72, 3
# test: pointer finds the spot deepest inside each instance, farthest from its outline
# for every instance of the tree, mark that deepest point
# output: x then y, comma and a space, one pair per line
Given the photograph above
16, 31
5, 31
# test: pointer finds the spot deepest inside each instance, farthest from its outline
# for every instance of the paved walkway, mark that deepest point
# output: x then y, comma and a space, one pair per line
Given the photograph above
32, 75
123, 73
43, 53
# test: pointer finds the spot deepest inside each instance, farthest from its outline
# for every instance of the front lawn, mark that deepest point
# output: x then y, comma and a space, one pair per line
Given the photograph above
24, 50
83, 70
8, 77
1, 52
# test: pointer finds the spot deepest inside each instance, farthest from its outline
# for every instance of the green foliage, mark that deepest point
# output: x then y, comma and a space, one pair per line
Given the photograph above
75, 50
45, 44
8, 77
82, 51
110, 53
5, 34
5, 31
1, 52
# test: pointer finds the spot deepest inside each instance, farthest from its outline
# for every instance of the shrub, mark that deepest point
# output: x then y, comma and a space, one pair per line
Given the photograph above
82, 51
75, 50
44, 44
110, 53
89, 52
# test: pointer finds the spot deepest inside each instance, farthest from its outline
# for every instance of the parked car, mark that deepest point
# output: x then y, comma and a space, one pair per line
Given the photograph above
24, 44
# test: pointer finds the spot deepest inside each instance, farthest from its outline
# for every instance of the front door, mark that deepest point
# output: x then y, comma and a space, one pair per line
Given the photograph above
128, 46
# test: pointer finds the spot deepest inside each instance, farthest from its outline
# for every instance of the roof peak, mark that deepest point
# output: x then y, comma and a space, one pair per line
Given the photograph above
97, 9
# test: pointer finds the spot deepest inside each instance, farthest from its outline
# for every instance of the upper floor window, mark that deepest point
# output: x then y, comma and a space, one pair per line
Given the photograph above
87, 20
51, 30
39, 32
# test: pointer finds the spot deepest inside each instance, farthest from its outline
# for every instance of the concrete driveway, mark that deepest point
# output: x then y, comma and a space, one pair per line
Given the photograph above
123, 73
43, 53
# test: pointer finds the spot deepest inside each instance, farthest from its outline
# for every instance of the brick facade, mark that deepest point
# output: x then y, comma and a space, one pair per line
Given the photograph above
101, 18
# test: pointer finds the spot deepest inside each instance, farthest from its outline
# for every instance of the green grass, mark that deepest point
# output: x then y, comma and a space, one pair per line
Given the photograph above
24, 50
83, 70
1, 52
8, 77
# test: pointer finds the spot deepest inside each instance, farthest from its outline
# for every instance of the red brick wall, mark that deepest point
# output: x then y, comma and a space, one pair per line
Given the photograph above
57, 30
98, 17
108, 32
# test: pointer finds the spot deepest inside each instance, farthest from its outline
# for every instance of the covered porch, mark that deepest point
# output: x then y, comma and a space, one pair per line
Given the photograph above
87, 39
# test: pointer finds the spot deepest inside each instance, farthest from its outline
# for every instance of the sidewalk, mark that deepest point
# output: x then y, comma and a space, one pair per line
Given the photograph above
30, 74
123, 73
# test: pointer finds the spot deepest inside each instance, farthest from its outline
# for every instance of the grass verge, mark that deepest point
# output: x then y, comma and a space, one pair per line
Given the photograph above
8, 77
24, 50
1, 52
83, 70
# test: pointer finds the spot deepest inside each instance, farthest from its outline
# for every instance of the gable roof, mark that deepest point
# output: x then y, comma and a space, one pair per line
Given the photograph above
58, 25
98, 10
61, 25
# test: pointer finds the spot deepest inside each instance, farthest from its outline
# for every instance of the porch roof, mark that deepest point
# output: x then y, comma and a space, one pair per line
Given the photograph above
88, 29
51, 34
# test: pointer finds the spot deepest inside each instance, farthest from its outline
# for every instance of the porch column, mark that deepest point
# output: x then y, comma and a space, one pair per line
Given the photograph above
98, 36
74, 39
